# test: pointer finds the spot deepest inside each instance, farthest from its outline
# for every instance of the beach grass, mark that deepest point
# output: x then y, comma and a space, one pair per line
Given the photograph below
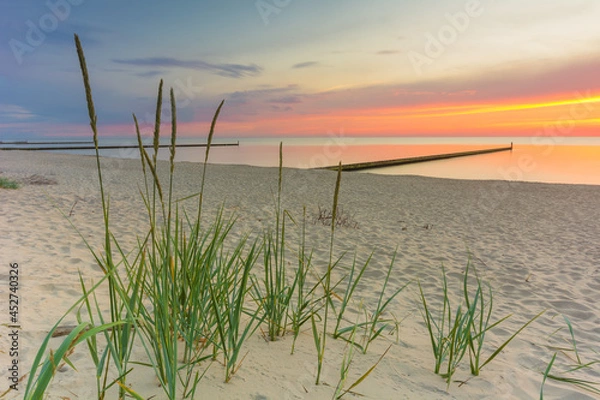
274, 292
453, 335
320, 337
306, 303
6, 183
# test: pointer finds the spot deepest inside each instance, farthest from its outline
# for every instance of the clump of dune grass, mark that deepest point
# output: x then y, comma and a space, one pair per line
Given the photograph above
6, 183
178, 293
455, 334
273, 293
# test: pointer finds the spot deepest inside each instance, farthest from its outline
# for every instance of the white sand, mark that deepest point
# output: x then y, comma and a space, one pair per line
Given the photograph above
536, 244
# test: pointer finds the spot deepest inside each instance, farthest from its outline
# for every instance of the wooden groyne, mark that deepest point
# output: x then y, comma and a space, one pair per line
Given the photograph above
413, 160
112, 147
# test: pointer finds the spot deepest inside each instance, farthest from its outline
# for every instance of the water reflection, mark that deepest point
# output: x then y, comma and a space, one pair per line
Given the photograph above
546, 162
558, 164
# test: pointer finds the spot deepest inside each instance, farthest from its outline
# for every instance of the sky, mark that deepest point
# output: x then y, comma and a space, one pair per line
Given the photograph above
295, 68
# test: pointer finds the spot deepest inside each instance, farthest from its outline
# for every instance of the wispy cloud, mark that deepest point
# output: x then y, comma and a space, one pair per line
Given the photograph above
286, 100
281, 109
248, 104
306, 64
149, 74
226, 70
253, 94
388, 52
16, 113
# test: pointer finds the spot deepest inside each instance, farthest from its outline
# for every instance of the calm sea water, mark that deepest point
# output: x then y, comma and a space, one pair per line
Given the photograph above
543, 159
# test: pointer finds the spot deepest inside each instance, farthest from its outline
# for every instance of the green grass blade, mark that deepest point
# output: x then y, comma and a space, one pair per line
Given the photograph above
366, 374
499, 349
573, 339
548, 368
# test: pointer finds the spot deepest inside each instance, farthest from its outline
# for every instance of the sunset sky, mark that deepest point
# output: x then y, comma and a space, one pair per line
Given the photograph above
305, 67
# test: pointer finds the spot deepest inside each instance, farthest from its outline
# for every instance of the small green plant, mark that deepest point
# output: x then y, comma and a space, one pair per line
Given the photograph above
6, 183
453, 336
440, 331
480, 323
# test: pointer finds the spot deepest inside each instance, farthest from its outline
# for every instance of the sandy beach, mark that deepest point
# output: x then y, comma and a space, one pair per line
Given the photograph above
535, 244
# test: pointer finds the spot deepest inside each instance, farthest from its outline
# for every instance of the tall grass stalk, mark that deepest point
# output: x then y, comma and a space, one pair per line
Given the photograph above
274, 293
204, 167
449, 335
305, 305
180, 273
120, 338
320, 338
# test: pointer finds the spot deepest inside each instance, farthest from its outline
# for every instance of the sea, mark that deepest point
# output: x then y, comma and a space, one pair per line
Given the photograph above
564, 160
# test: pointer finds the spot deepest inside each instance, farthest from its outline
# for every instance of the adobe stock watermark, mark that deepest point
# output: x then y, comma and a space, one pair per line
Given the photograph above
551, 135
547, 138
447, 35
331, 153
35, 35
554, 133
267, 8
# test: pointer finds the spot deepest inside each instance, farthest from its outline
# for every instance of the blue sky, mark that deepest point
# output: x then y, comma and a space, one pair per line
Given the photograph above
296, 67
